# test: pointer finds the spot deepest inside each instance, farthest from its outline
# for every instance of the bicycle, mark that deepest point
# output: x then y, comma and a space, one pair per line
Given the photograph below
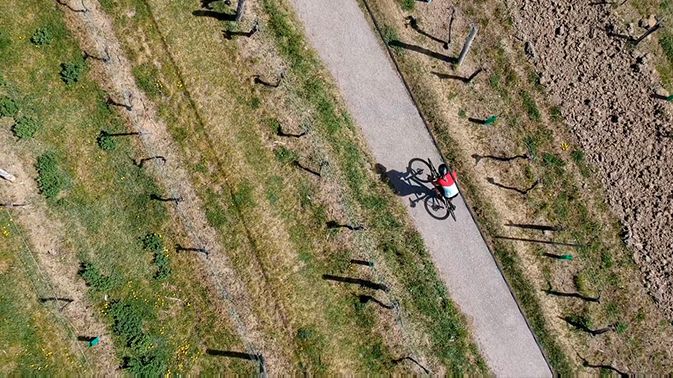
438, 206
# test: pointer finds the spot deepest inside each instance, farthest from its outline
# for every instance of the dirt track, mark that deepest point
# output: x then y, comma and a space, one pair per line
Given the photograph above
604, 89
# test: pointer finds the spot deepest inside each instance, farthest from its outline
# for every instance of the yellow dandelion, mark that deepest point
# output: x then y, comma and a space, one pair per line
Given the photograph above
565, 146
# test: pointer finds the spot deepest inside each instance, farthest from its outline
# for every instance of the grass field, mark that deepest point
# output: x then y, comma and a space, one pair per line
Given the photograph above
283, 216
271, 216
101, 201
568, 196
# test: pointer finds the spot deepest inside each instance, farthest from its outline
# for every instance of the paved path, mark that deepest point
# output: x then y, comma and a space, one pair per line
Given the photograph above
381, 106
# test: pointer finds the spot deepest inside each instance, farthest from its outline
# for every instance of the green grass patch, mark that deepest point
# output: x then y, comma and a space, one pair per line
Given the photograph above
93, 277
26, 127
41, 37
8, 107
51, 178
530, 106
71, 72
146, 76
407, 5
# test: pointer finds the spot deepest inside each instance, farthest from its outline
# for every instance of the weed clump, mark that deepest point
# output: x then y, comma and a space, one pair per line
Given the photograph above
50, 177
4, 40
94, 278
26, 127
8, 107
42, 36
72, 72
146, 358
408, 5
153, 243
106, 142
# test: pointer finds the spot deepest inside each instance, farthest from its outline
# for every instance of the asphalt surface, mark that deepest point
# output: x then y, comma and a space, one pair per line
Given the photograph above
382, 108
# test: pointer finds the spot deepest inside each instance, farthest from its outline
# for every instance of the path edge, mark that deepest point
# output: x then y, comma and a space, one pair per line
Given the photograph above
392, 58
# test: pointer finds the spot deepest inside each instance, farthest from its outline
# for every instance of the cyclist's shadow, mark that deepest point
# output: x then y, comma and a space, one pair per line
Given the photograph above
404, 184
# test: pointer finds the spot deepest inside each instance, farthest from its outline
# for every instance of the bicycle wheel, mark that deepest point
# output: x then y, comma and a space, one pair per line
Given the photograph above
420, 170
437, 207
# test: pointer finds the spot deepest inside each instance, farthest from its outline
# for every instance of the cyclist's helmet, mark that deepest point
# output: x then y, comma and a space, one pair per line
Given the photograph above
443, 170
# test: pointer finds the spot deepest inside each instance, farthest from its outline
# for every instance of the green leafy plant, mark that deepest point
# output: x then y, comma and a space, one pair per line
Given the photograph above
106, 142
42, 36
8, 107
153, 242
145, 358
50, 177
72, 72
26, 127
94, 278
408, 5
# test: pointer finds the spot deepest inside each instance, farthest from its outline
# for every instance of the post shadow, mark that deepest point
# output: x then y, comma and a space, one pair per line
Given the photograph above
411, 21
364, 299
216, 15
140, 163
362, 262
466, 80
477, 158
558, 257
9, 205
258, 80
240, 355
486, 121
586, 363
492, 181
297, 164
207, 4
334, 224
424, 51
228, 34
71, 8
232, 354
112, 102
540, 241
357, 281
175, 200
581, 326
66, 301
281, 133
409, 358
179, 248
538, 227
550, 291
661, 97
105, 59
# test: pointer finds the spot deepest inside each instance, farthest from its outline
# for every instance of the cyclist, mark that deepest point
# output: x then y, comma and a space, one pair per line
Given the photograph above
446, 183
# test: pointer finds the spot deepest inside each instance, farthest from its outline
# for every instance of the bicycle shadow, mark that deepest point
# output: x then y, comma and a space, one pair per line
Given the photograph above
404, 184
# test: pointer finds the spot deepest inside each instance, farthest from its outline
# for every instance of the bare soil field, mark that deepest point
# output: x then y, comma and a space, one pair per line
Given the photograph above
606, 89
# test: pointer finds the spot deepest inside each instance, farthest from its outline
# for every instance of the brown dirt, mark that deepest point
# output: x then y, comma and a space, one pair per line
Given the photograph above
57, 265
604, 88
95, 31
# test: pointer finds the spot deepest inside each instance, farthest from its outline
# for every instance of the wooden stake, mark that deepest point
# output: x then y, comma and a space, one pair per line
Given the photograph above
240, 8
467, 45
7, 176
